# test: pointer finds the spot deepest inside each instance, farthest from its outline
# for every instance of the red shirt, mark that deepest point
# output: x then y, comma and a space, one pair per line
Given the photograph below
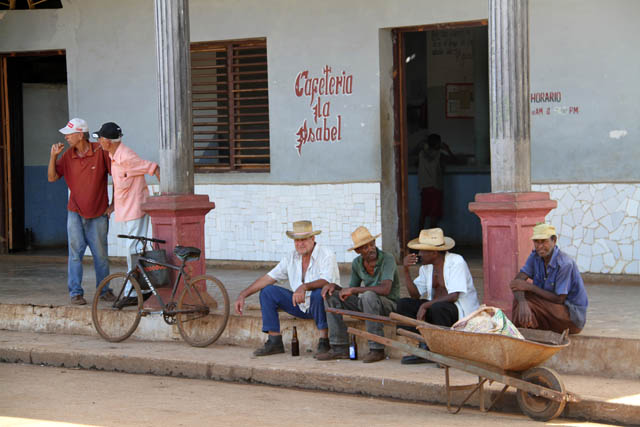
86, 177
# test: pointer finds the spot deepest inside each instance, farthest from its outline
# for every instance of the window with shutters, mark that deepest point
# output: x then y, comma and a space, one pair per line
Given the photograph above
230, 101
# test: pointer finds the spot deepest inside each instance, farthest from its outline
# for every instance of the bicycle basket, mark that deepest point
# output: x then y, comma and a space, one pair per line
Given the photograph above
158, 274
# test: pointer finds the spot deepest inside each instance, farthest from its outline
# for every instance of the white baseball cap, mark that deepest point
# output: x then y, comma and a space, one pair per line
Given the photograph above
75, 125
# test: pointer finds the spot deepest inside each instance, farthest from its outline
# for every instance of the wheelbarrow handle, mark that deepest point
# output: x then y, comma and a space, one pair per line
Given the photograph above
360, 315
404, 320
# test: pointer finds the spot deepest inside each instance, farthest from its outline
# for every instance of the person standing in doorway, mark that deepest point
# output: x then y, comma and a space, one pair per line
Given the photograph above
85, 167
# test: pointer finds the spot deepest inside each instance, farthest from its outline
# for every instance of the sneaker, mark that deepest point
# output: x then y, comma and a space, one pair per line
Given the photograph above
323, 346
78, 300
374, 355
336, 352
273, 345
108, 296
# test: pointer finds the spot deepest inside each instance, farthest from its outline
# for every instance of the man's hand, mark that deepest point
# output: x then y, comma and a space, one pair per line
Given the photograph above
328, 289
239, 305
523, 316
298, 295
56, 149
422, 311
520, 285
409, 260
109, 210
345, 293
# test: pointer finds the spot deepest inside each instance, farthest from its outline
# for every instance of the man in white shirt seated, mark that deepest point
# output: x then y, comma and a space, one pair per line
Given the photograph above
443, 292
308, 268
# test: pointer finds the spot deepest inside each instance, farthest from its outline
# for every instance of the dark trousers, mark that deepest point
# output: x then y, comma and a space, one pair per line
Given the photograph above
440, 313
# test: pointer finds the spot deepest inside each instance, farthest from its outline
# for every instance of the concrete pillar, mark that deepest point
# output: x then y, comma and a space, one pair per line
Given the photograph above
509, 95
177, 215
509, 213
174, 80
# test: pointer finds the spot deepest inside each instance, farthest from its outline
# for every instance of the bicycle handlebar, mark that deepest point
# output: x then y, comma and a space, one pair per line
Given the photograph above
144, 239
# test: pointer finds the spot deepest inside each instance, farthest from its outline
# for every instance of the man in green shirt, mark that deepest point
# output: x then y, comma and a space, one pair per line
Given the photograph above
374, 289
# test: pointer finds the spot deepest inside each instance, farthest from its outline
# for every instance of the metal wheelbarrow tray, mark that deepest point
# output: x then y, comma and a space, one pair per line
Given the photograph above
541, 394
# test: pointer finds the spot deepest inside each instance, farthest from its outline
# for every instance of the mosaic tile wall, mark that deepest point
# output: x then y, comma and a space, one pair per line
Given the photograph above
249, 221
598, 225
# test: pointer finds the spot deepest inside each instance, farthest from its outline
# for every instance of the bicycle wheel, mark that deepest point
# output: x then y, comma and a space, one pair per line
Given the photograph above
203, 310
115, 321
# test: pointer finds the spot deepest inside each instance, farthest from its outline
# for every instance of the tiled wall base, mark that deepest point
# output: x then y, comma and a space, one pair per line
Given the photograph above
598, 225
249, 221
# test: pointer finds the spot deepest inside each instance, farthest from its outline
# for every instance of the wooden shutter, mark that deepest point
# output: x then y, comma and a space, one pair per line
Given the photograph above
230, 100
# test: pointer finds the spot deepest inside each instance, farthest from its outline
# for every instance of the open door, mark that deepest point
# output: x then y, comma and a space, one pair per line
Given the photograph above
441, 89
33, 105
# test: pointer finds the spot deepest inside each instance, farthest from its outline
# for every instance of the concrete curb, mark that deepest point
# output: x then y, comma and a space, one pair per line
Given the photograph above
236, 365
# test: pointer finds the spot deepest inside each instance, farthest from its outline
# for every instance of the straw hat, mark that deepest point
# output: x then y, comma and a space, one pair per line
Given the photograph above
302, 230
432, 239
543, 231
361, 236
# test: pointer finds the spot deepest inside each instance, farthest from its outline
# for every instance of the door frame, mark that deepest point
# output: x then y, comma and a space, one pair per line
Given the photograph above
7, 238
400, 119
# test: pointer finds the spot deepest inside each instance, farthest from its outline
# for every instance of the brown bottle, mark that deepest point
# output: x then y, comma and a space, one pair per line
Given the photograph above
295, 347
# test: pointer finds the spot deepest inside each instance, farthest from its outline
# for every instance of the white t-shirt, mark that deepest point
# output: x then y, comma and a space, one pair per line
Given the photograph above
322, 265
457, 278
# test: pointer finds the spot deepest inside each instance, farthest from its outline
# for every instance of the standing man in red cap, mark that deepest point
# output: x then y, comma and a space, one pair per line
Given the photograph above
85, 167
374, 289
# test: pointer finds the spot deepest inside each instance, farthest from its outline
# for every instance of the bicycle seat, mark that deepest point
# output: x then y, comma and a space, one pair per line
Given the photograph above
187, 253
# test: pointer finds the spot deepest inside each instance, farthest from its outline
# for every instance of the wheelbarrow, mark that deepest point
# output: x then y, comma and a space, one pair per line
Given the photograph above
540, 394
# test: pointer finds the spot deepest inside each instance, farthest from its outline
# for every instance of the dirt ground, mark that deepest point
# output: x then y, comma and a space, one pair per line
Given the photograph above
35, 395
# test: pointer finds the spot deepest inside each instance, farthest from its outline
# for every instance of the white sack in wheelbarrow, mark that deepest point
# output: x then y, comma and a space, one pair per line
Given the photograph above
490, 320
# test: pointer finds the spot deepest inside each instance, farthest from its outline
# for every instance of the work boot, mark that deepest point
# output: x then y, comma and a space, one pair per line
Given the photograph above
336, 352
273, 345
323, 346
374, 355
413, 359
78, 300
132, 301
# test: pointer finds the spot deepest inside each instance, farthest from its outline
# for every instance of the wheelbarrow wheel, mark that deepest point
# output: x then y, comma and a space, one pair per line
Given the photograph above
536, 407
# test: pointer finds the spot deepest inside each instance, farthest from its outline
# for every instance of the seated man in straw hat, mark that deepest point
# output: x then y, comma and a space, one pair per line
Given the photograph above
443, 292
374, 289
557, 299
308, 268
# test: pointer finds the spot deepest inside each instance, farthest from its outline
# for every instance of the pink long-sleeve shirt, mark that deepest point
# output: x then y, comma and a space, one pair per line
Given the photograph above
129, 186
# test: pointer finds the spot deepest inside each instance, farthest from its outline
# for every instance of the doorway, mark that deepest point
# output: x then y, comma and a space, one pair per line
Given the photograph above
441, 92
33, 106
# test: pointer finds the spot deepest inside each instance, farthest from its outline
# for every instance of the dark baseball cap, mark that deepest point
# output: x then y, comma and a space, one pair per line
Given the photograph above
108, 130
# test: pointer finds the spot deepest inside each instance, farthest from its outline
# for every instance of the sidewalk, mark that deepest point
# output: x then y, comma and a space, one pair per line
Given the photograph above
604, 400
33, 298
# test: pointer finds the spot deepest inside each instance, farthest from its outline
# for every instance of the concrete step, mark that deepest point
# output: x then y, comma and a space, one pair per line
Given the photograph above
603, 400
587, 355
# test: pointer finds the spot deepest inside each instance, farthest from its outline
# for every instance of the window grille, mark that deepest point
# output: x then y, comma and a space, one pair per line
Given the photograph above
230, 102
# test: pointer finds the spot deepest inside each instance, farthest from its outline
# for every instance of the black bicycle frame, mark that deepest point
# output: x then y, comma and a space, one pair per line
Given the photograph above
140, 268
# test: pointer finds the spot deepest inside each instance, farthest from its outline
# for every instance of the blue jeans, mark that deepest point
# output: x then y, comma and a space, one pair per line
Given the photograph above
274, 297
82, 232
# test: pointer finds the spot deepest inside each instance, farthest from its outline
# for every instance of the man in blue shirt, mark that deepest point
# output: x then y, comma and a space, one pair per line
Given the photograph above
557, 299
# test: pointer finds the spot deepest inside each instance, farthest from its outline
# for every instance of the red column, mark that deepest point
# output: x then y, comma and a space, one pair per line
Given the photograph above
179, 220
507, 221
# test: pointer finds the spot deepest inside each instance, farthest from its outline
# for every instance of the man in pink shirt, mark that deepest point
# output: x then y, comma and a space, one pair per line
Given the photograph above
129, 186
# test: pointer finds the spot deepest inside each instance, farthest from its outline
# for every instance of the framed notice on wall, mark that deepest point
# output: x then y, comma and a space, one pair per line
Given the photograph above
459, 100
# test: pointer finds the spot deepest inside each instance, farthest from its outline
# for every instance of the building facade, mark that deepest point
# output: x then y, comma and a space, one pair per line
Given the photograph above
317, 110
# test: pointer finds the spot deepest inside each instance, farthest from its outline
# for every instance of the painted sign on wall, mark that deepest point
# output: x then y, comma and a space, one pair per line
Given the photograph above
325, 126
554, 97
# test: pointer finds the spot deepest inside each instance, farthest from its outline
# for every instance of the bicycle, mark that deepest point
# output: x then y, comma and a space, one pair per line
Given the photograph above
201, 311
